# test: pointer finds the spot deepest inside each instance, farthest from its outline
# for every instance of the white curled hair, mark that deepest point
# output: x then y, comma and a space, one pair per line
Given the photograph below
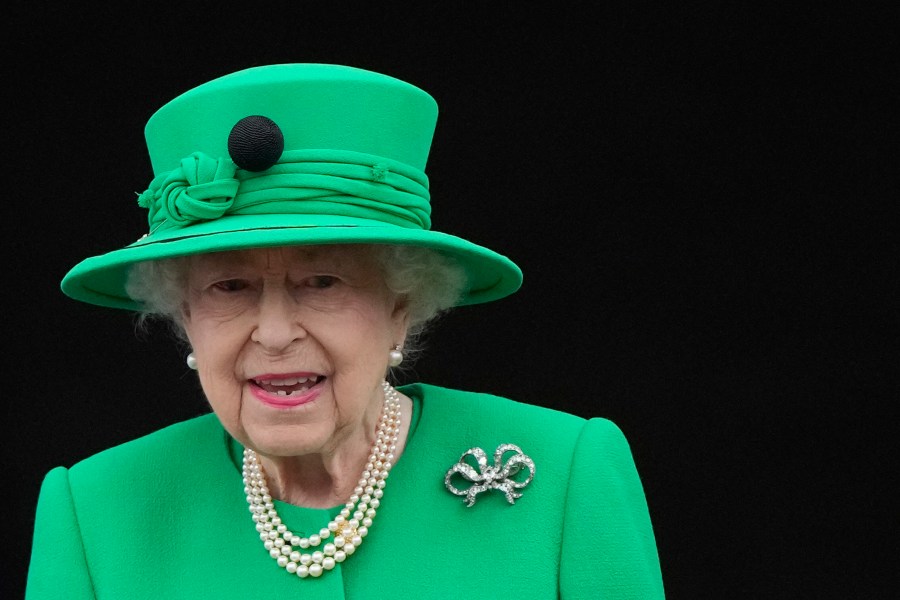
431, 282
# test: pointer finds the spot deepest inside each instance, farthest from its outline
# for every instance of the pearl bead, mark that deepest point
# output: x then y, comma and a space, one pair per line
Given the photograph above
302, 571
328, 563
315, 570
291, 567
339, 556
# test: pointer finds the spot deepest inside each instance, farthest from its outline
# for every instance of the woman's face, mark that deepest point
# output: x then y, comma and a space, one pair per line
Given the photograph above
292, 343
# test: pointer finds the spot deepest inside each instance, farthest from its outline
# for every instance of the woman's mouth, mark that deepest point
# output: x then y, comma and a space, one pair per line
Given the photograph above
286, 391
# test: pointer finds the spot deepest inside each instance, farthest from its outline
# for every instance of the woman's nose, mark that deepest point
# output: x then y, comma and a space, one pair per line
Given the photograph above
278, 320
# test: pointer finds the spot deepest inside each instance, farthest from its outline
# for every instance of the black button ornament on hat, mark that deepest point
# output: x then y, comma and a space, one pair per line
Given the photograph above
255, 143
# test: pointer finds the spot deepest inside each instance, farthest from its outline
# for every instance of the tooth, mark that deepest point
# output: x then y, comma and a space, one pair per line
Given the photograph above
281, 393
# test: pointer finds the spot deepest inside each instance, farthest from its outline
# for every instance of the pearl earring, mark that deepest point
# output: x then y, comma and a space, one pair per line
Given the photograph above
191, 361
396, 356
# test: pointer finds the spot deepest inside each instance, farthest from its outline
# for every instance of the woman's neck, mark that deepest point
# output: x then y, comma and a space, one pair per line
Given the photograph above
327, 479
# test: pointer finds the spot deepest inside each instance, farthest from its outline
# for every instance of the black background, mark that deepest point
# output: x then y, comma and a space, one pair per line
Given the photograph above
700, 197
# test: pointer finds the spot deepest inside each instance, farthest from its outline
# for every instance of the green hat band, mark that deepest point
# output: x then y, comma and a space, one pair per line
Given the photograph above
333, 182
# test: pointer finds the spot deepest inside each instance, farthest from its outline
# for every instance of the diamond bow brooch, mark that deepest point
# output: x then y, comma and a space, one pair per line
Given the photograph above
487, 477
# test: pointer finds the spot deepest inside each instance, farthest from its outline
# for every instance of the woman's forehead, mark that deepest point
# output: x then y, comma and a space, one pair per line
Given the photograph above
335, 255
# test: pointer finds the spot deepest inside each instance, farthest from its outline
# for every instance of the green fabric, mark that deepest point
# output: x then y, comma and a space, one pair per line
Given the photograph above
352, 171
303, 182
165, 516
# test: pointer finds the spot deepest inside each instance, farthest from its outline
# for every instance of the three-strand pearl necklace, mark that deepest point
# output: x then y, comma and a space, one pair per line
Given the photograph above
349, 527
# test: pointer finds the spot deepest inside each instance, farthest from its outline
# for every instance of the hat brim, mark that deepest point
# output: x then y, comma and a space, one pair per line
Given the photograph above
100, 280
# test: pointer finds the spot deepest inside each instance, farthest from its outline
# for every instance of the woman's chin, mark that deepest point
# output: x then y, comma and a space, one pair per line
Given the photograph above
286, 444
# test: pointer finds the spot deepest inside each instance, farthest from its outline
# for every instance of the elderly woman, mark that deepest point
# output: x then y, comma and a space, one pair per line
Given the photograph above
290, 246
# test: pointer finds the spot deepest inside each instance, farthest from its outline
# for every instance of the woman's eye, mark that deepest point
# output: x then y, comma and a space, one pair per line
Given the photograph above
230, 285
322, 281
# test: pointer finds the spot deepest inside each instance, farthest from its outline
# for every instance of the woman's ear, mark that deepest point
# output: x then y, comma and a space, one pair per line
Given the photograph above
185, 313
400, 315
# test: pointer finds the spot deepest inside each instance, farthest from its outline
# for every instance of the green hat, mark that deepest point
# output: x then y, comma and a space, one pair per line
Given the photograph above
289, 154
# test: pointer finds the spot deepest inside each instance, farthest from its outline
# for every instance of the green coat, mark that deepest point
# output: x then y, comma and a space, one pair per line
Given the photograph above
165, 517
